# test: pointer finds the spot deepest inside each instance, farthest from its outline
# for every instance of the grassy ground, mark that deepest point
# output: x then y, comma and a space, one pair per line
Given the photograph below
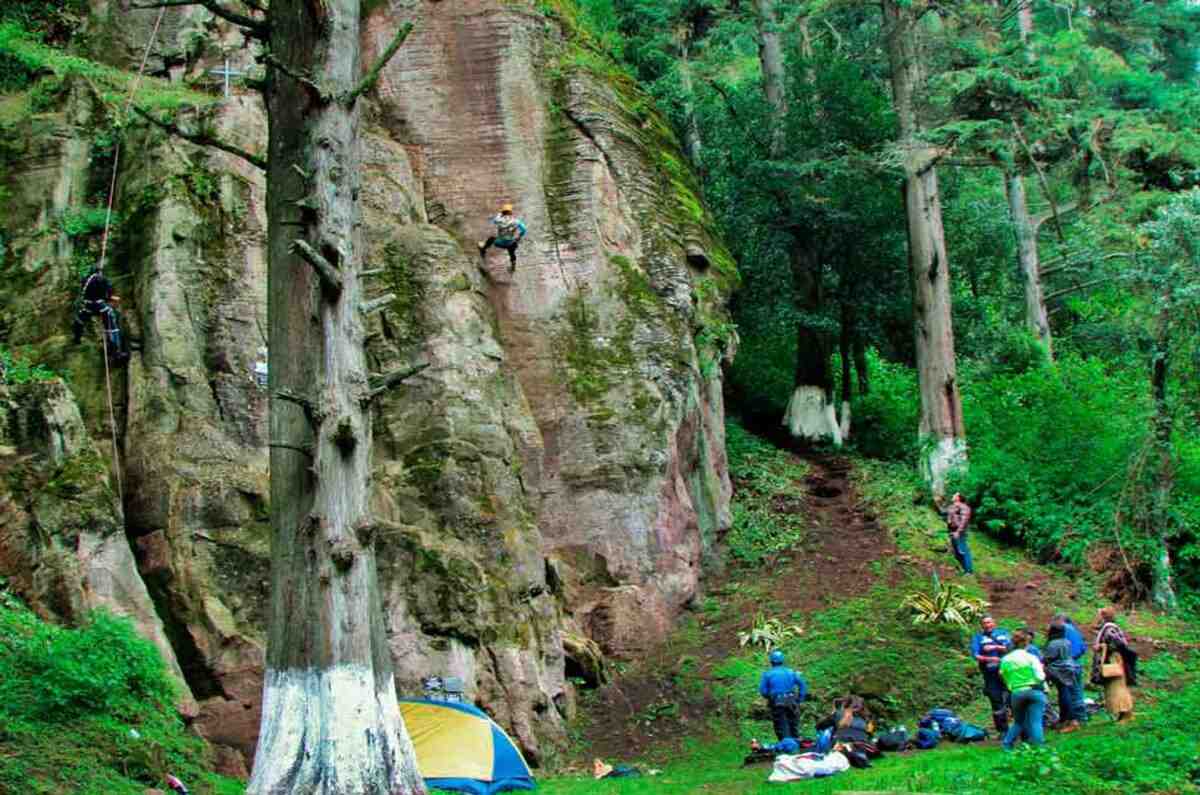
865, 643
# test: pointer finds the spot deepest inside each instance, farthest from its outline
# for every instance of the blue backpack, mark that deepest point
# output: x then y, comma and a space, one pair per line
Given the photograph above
927, 738
824, 741
971, 734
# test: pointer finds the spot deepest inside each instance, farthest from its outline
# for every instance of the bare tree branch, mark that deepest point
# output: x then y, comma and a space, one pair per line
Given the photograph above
376, 304
382, 383
372, 76
257, 28
331, 280
1042, 179
201, 139
1075, 288
322, 95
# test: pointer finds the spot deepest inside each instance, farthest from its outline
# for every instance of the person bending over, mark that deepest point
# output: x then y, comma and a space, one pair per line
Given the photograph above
783, 689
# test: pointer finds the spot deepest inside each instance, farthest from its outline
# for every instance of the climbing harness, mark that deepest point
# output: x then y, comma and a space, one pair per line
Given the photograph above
112, 191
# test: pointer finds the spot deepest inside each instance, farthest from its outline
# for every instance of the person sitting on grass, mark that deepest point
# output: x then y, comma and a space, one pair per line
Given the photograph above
1025, 678
849, 721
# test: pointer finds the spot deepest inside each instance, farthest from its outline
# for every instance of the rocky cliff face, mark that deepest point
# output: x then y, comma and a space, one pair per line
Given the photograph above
552, 479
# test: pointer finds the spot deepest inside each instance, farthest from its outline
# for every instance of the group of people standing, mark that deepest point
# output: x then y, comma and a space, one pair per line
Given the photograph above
1015, 676
1015, 673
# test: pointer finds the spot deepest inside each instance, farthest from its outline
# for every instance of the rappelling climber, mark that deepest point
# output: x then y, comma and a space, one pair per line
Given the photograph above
94, 292
96, 297
510, 230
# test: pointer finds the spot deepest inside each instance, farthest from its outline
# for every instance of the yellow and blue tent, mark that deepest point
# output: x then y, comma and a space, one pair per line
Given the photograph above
460, 748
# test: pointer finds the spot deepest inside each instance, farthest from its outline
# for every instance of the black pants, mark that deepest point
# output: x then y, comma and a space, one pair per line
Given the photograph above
786, 722
509, 246
115, 343
997, 693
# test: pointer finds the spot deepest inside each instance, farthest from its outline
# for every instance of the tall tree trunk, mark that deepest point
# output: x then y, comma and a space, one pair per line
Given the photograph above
844, 349
1037, 320
693, 144
862, 371
810, 412
1162, 592
941, 424
770, 56
330, 721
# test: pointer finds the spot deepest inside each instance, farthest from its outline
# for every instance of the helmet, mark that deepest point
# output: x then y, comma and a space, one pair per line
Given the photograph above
506, 208
776, 657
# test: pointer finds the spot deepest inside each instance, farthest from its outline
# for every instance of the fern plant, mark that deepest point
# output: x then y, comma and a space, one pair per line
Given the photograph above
944, 604
768, 633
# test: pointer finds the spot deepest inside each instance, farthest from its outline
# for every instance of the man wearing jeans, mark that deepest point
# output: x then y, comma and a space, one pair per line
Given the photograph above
1025, 678
957, 517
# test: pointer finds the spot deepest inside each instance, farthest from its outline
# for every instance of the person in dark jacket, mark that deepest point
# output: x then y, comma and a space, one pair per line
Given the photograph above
1078, 644
849, 721
1067, 675
988, 647
94, 293
783, 689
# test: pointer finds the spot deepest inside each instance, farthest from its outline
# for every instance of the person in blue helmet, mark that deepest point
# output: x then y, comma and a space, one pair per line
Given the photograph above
783, 689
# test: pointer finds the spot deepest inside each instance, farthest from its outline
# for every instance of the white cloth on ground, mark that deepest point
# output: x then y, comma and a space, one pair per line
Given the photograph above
797, 767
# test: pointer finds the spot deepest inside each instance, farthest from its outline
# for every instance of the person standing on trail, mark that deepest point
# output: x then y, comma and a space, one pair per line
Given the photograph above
783, 689
957, 517
510, 231
1026, 680
987, 647
1067, 675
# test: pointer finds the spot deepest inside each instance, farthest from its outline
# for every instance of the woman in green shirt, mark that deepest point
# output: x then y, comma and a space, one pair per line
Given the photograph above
1025, 678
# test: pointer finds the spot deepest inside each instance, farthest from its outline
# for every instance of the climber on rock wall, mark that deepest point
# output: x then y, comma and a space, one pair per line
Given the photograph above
510, 230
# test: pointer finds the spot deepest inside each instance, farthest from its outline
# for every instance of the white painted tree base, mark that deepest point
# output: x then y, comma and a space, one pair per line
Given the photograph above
332, 732
811, 417
845, 423
948, 455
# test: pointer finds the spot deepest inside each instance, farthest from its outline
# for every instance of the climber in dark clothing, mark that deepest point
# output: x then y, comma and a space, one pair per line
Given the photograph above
96, 297
783, 689
94, 293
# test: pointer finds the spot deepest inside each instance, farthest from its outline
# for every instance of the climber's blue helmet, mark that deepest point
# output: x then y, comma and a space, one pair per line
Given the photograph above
776, 657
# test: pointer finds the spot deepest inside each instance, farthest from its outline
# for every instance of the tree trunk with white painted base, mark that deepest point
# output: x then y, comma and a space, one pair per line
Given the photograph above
811, 414
330, 722
941, 428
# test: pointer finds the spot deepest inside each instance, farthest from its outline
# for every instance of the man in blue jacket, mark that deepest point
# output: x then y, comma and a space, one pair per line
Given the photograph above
987, 647
783, 689
1078, 644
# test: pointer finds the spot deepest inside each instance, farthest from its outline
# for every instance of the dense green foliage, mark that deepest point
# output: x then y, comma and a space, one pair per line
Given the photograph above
867, 644
89, 710
1097, 112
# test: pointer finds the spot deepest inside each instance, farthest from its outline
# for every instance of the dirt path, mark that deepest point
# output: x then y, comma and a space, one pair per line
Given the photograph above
669, 696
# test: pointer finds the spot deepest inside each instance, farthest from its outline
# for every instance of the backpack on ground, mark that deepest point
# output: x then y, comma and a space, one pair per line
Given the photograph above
971, 734
927, 738
895, 740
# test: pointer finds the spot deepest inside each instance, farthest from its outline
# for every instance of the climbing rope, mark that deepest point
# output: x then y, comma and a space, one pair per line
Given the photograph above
112, 192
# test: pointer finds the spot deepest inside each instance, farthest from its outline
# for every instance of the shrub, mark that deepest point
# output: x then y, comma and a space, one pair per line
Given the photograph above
944, 604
